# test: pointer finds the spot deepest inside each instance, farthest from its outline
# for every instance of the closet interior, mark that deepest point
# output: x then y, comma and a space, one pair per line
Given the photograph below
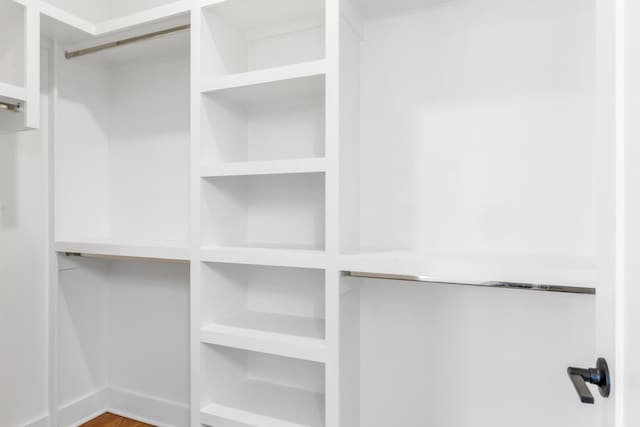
473, 159
246, 193
122, 180
476, 117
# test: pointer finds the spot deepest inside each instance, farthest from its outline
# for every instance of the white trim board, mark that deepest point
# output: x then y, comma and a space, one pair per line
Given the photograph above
82, 410
125, 403
40, 422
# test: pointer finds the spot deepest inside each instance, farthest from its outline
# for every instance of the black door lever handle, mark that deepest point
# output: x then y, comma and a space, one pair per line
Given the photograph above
598, 376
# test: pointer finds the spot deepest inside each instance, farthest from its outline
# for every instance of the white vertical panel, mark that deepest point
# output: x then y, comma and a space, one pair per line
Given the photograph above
32, 65
196, 374
609, 196
332, 195
632, 288
24, 217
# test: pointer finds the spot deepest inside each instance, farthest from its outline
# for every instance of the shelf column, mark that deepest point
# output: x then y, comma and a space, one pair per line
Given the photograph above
332, 181
196, 285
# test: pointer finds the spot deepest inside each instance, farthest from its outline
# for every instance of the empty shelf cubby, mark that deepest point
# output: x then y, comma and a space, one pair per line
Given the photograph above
256, 389
268, 211
277, 117
275, 310
247, 35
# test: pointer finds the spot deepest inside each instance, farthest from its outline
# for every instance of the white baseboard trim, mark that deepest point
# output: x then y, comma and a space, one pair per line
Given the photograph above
83, 409
40, 422
146, 408
126, 403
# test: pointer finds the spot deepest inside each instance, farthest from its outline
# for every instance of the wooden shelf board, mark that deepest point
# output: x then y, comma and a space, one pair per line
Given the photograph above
561, 270
270, 256
269, 75
262, 404
289, 336
272, 167
118, 249
146, 17
68, 28
62, 26
290, 85
12, 92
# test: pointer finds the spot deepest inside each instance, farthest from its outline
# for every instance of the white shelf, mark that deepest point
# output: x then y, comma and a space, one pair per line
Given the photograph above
560, 270
277, 257
13, 92
300, 83
67, 27
271, 167
63, 26
144, 18
289, 336
112, 249
262, 404
269, 75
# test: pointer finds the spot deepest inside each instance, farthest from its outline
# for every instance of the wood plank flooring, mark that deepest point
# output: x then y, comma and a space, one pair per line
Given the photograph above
110, 420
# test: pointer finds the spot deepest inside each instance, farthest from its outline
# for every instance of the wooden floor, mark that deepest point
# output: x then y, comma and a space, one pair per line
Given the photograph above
110, 420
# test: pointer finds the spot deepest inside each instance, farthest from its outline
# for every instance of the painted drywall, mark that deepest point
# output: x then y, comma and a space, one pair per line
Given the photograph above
458, 356
23, 275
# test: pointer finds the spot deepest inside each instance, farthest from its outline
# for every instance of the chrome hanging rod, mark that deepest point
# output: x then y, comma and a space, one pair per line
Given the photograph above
7, 106
124, 42
504, 285
126, 258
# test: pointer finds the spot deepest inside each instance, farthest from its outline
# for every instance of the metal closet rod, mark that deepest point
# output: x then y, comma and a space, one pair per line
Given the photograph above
485, 284
7, 106
124, 42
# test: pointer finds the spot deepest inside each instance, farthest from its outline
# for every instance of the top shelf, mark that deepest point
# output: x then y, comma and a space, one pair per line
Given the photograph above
241, 36
542, 273
72, 27
111, 249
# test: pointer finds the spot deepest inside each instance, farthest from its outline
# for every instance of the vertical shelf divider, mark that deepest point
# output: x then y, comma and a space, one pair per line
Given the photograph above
332, 191
196, 265
32, 63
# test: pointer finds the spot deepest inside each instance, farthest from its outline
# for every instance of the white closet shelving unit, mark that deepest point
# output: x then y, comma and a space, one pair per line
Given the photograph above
260, 126
224, 197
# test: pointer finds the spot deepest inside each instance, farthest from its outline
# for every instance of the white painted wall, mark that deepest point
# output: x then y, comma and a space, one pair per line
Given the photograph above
23, 275
447, 356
